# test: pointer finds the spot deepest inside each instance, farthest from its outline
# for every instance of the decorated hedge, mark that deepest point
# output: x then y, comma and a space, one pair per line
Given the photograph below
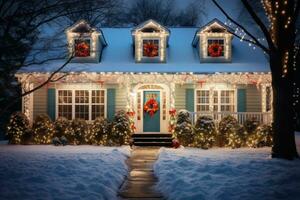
18, 129
205, 132
121, 130
99, 131
230, 134
183, 129
251, 125
43, 129
79, 133
262, 137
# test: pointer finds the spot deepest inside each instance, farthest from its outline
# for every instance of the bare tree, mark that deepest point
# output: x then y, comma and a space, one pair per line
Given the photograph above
26, 39
280, 35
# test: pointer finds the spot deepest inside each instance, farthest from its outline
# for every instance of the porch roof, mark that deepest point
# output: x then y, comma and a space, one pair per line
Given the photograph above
181, 57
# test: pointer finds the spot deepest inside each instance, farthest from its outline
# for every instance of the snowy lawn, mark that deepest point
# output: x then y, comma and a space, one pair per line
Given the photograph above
70, 172
233, 174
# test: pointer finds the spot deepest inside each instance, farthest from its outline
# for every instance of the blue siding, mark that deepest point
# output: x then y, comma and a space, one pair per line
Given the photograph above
51, 107
111, 103
189, 100
241, 100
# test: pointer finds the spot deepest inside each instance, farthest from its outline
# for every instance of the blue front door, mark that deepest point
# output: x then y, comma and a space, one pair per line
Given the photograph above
151, 123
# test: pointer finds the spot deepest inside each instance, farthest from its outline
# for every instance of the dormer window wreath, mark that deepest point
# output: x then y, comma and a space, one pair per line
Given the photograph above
82, 48
215, 50
150, 48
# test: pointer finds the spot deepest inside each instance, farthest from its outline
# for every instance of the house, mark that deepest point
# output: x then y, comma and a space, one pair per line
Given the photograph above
150, 71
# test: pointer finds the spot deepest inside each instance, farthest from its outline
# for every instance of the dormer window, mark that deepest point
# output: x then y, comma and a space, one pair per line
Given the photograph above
150, 41
213, 42
85, 43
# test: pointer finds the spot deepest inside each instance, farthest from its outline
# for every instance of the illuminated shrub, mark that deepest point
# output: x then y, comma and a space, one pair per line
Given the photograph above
230, 133
121, 130
205, 132
99, 131
18, 129
79, 132
251, 125
43, 129
262, 137
183, 129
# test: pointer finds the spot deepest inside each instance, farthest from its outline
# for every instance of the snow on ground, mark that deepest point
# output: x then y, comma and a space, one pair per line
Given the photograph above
222, 173
70, 172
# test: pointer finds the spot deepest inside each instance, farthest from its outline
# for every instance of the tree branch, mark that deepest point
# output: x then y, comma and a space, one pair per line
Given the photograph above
256, 42
259, 23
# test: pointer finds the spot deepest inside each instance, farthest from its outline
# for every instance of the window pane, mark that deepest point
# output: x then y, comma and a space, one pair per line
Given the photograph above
82, 112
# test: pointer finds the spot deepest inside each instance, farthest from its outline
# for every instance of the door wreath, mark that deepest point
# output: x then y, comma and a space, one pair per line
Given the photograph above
151, 107
215, 50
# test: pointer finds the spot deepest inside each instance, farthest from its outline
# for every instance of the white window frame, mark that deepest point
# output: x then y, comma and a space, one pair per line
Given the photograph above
224, 47
211, 99
72, 89
142, 48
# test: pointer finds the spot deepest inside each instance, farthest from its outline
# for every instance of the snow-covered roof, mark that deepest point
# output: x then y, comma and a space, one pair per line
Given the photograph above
181, 56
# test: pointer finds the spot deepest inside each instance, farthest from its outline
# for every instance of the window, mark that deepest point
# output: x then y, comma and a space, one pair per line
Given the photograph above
227, 101
150, 48
81, 104
97, 103
65, 104
203, 100
215, 47
216, 101
82, 47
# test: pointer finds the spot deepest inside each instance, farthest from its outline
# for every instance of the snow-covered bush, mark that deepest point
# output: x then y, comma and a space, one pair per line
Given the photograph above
43, 129
80, 131
183, 129
230, 133
262, 137
62, 127
121, 130
99, 131
18, 128
205, 132
250, 125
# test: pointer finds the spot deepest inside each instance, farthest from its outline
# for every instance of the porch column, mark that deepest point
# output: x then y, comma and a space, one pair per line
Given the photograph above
27, 101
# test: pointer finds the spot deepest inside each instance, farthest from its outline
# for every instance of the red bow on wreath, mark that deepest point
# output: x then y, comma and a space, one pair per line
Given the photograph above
215, 50
151, 107
82, 49
150, 49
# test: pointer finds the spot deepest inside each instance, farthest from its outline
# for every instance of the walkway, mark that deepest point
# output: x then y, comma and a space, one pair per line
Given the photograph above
141, 179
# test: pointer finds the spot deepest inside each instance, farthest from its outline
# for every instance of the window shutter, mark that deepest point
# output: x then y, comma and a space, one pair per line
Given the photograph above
111, 103
189, 100
241, 100
51, 107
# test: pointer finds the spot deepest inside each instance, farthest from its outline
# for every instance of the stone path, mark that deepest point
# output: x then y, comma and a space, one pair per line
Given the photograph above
141, 179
